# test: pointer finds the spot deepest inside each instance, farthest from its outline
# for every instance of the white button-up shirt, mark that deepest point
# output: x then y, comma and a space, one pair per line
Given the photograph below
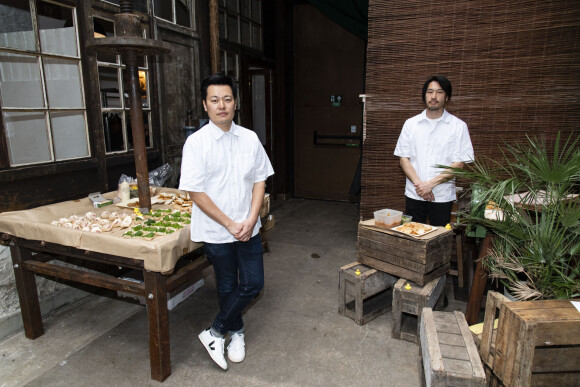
426, 146
224, 165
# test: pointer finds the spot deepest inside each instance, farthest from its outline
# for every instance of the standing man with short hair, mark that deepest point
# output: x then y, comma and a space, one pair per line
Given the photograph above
432, 138
224, 169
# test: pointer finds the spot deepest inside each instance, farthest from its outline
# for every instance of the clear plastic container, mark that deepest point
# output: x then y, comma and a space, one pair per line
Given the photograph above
388, 218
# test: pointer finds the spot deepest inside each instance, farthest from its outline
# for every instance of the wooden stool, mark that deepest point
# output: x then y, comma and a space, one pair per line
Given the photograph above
408, 303
447, 353
369, 292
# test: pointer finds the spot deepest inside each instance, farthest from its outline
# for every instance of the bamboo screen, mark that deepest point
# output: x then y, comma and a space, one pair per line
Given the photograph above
514, 67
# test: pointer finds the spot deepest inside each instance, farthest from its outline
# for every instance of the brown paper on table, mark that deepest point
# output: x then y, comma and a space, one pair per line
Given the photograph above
371, 225
159, 255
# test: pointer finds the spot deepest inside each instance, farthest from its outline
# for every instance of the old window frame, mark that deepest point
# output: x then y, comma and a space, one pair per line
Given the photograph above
42, 58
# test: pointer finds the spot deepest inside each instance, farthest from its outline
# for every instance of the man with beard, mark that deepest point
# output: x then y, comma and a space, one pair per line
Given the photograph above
434, 137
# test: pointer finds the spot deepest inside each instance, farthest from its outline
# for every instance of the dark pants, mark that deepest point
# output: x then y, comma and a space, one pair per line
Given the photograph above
439, 214
239, 273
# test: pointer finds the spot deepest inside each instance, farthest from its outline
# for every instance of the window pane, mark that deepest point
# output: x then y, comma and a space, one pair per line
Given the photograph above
69, 135
257, 11
113, 127
163, 9
27, 138
222, 25
57, 29
16, 27
143, 83
257, 37
145, 129
245, 11
63, 83
20, 84
233, 5
109, 87
104, 29
233, 29
246, 38
182, 13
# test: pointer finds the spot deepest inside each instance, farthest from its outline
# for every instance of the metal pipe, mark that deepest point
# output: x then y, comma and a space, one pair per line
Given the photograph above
126, 6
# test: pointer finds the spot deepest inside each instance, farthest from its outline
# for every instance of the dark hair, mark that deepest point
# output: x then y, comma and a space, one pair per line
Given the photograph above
218, 79
442, 81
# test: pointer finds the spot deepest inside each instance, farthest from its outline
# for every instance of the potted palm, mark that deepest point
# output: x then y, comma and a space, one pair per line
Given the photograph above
530, 198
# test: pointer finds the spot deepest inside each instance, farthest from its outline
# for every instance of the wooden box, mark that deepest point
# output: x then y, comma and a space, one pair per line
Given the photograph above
417, 259
447, 354
366, 295
408, 304
538, 344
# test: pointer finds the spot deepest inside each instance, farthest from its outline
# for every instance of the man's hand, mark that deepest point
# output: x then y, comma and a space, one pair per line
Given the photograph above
425, 190
245, 232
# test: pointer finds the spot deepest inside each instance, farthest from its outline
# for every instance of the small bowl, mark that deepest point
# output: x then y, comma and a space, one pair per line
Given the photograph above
406, 219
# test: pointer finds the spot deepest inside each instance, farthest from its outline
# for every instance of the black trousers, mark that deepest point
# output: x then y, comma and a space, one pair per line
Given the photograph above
439, 214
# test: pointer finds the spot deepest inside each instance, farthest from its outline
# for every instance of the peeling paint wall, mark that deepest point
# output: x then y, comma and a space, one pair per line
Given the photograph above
9, 303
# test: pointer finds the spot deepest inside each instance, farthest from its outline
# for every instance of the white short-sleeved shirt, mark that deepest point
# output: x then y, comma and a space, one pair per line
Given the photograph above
426, 146
224, 165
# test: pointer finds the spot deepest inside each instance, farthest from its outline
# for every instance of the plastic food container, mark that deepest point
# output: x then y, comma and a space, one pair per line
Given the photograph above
387, 218
406, 219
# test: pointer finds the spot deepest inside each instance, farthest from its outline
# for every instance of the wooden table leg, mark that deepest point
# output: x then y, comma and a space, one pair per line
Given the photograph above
459, 251
478, 286
158, 317
27, 293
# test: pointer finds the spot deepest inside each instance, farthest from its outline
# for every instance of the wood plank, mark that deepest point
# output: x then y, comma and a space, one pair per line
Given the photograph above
554, 360
451, 328
493, 302
27, 292
407, 252
569, 379
187, 273
404, 261
454, 352
450, 339
397, 271
432, 358
477, 368
85, 277
478, 285
158, 318
457, 367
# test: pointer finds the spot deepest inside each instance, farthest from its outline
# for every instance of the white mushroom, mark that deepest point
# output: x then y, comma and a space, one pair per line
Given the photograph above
55, 223
103, 222
86, 228
68, 225
107, 227
116, 223
105, 214
90, 215
96, 229
113, 215
127, 221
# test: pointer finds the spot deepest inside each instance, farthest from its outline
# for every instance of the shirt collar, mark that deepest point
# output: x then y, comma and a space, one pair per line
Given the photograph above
445, 117
218, 133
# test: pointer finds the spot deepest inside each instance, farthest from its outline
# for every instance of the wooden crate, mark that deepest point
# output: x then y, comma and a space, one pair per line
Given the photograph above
417, 259
363, 296
408, 304
538, 344
447, 354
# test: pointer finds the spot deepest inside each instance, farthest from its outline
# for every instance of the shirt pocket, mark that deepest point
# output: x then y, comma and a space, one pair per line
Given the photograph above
245, 164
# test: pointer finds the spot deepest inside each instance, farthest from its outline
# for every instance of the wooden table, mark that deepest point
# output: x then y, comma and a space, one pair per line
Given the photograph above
49, 251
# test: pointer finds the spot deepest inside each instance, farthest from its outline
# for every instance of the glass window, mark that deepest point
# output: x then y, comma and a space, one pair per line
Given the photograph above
16, 29
174, 11
42, 95
57, 31
241, 22
20, 81
113, 87
104, 29
27, 137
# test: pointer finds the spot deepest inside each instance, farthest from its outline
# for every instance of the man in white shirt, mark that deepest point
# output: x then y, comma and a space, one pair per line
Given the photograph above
224, 169
432, 138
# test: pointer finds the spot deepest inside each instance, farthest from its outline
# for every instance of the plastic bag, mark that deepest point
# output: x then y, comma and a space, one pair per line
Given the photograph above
160, 175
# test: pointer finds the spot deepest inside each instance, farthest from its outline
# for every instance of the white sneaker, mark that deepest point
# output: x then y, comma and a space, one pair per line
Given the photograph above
215, 347
237, 348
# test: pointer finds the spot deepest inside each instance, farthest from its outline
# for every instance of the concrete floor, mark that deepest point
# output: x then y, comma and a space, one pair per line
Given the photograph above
294, 334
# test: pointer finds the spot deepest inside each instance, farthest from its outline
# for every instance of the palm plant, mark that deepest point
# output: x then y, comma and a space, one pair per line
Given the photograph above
535, 251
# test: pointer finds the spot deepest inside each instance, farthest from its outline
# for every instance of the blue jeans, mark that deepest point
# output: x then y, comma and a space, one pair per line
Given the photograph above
239, 273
